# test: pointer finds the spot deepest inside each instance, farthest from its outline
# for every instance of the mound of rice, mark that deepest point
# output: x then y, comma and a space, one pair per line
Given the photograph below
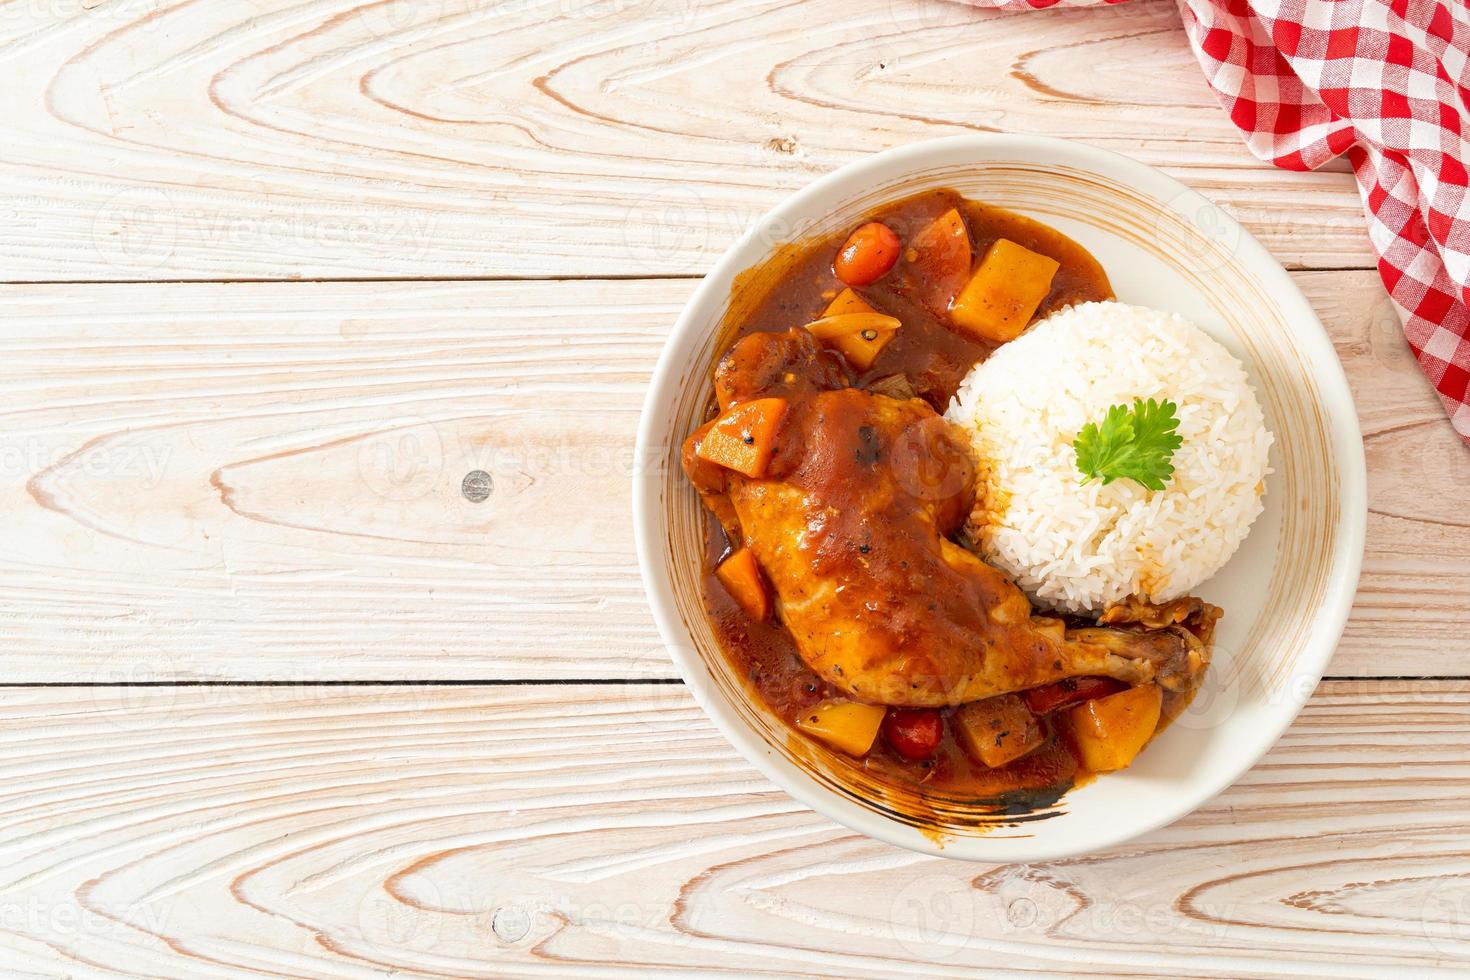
1077, 547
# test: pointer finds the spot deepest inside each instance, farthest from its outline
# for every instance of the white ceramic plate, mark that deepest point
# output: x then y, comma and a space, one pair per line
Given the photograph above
1286, 593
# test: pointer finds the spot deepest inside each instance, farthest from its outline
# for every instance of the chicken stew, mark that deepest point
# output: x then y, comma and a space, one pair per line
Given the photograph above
836, 580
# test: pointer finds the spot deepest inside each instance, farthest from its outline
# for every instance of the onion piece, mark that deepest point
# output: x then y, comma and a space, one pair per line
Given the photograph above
844, 323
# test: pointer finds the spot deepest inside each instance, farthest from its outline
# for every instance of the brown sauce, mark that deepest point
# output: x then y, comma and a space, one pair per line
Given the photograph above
927, 350
792, 288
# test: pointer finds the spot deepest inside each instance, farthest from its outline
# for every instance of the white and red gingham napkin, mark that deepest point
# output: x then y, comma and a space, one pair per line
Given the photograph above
1388, 83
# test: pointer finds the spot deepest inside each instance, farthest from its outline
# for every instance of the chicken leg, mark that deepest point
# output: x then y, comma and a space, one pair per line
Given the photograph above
852, 526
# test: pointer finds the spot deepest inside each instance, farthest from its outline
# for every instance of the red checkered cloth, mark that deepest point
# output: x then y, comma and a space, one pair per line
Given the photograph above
1388, 83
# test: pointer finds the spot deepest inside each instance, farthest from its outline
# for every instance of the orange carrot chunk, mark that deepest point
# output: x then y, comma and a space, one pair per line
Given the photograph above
744, 438
742, 578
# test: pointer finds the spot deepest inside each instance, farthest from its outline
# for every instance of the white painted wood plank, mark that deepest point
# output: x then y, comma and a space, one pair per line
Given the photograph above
259, 482
610, 832
265, 481
167, 139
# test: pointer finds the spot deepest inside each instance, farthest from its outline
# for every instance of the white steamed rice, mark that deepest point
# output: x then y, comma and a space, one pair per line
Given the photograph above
1077, 547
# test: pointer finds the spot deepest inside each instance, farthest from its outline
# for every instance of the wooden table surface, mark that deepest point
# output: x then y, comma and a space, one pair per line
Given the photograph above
284, 702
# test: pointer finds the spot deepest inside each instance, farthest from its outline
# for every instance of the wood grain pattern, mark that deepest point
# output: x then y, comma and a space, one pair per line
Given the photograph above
265, 481
610, 831
262, 482
258, 482
177, 139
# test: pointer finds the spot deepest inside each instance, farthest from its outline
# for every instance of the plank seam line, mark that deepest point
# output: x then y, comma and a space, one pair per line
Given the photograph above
357, 280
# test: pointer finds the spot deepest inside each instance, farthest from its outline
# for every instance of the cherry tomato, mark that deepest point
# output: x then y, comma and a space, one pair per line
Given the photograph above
867, 255
914, 733
1073, 690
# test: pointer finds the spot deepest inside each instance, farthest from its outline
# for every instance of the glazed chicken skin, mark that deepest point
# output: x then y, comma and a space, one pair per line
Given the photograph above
852, 525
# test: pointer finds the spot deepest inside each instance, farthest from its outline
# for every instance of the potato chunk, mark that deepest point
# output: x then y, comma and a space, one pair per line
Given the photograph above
847, 302
997, 730
846, 725
1003, 294
1111, 731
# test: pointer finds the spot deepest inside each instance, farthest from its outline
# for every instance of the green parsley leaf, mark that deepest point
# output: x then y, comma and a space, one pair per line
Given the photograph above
1131, 444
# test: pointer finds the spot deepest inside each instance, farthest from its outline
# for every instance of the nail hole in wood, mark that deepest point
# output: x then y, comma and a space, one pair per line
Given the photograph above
476, 486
